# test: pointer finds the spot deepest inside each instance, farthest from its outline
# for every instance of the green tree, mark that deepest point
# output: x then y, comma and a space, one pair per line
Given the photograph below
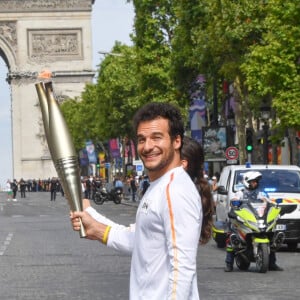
106, 108
272, 67
73, 117
80, 115
215, 37
117, 92
154, 29
251, 43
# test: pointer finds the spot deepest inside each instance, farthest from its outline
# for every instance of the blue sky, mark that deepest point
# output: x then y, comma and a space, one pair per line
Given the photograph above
112, 20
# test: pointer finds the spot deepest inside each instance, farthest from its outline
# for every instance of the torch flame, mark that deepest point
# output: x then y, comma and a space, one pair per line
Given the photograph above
45, 74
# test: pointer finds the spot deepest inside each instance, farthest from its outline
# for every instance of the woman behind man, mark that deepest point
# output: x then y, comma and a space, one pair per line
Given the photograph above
192, 158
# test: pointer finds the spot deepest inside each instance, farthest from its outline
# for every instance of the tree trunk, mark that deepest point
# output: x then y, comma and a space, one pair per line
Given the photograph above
294, 151
240, 121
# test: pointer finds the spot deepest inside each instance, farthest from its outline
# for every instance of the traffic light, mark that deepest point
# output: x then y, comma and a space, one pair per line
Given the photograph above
249, 140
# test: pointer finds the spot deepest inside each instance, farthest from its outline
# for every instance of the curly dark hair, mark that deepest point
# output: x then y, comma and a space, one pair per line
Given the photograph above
192, 151
154, 110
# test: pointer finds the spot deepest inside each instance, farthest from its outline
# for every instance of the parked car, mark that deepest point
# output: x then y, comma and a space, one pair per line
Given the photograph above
278, 181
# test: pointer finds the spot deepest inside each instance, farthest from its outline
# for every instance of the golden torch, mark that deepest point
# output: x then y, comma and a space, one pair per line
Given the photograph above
61, 146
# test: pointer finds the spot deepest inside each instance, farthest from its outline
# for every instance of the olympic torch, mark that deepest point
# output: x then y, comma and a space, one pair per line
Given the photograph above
61, 147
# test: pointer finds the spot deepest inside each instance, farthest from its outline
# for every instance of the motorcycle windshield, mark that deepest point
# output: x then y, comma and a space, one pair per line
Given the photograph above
259, 208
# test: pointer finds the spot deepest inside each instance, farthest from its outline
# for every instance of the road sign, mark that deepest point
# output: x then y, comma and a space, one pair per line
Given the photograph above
232, 153
139, 168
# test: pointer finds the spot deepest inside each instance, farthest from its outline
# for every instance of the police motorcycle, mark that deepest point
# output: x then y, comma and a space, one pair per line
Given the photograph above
102, 194
253, 231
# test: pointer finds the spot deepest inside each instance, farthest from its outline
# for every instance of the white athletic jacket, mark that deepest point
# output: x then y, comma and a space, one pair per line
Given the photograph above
164, 240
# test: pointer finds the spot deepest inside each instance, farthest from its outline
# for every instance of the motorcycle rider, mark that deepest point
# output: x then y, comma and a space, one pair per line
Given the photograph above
250, 192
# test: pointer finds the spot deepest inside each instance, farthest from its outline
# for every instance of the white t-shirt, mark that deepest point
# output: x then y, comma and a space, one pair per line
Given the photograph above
8, 187
164, 240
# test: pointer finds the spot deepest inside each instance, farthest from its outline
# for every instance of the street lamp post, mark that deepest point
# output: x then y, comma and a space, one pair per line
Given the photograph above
265, 116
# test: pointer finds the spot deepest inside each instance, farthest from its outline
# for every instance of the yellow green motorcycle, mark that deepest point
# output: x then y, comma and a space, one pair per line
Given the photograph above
254, 233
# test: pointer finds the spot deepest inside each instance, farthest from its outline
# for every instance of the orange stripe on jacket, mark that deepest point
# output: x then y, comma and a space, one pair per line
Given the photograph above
173, 239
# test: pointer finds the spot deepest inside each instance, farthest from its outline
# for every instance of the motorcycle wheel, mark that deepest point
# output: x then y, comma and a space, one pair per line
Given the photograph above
262, 259
242, 263
98, 200
117, 199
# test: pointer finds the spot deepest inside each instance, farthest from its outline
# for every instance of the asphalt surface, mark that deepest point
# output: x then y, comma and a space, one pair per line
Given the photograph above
42, 258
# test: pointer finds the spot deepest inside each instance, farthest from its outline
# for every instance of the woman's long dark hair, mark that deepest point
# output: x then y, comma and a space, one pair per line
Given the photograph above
192, 152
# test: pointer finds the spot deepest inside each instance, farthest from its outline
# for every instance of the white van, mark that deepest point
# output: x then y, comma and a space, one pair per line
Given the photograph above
278, 181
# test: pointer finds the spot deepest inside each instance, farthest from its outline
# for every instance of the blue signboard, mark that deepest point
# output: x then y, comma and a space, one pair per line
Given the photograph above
139, 168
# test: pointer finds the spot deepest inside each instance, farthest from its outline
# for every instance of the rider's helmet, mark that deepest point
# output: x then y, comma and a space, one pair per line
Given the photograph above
250, 176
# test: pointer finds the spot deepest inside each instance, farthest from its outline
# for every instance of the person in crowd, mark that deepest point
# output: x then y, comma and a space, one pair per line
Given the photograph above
133, 188
96, 185
14, 187
29, 185
164, 240
98, 182
54, 185
9, 190
250, 192
214, 189
126, 188
61, 189
39, 186
34, 185
22, 184
93, 187
87, 187
144, 184
118, 184
47, 185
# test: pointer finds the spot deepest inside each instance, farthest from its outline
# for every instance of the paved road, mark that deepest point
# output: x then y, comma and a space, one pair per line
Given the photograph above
42, 258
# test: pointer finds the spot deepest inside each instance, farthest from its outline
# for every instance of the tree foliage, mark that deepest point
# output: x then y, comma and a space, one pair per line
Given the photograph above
106, 108
215, 37
272, 67
154, 30
80, 115
117, 92
251, 43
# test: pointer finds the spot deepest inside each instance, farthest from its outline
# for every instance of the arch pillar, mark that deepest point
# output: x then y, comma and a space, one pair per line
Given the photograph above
34, 36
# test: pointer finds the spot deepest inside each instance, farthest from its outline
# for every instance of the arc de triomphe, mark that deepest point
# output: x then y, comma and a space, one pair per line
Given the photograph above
38, 35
